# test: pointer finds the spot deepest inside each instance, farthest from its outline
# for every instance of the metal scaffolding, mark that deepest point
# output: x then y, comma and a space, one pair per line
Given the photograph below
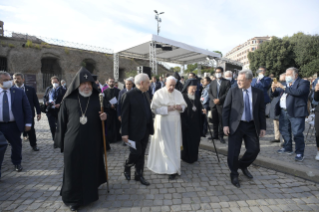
116, 71
152, 57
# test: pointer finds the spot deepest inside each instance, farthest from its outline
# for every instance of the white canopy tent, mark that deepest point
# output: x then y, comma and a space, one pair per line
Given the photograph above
150, 48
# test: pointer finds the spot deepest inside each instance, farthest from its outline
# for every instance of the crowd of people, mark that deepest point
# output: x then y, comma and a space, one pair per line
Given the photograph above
170, 113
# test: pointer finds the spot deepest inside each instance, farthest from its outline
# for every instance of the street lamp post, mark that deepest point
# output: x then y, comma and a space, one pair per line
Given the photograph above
158, 19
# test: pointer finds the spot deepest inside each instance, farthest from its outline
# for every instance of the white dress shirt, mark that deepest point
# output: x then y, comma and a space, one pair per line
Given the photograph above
283, 99
243, 117
10, 107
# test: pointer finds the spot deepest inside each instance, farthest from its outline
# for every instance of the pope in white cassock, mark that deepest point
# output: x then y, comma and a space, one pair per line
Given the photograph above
165, 149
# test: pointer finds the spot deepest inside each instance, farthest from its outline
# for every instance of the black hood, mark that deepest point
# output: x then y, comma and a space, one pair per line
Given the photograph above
176, 75
83, 75
189, 82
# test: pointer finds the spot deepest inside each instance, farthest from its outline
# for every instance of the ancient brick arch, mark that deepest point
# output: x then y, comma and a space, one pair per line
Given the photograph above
89, 64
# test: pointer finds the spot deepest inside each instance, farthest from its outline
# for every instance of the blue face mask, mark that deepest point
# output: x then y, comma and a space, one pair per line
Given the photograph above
289, 79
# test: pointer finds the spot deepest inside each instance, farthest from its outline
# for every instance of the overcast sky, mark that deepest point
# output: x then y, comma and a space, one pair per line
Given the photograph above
208, 24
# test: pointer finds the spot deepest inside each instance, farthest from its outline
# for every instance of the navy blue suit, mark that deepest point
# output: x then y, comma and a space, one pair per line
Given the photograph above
233, 83
34, 103
264, 85
292, 119
21, 111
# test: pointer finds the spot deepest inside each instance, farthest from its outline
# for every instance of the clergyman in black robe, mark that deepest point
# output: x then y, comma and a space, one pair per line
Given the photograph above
178, 86
191, 122
113, 125
81, 142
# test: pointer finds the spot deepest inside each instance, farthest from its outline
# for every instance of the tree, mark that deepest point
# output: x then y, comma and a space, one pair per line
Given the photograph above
306, 50
276, 55
175, 69
219, 52
191, 68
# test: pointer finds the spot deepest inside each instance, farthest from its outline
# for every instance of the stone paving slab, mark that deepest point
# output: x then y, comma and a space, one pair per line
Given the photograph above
269, 158
203, 186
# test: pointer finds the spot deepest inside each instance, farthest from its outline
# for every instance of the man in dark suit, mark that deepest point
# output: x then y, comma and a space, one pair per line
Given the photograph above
217, 93
34, 103
15, 116
243, 118
137, 125
292, 108
3, 148
52, 99
263, 83
155, 85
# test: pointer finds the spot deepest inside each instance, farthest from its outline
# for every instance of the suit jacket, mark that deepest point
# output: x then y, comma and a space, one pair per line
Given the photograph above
205, 97
134, 123
234, 107
20, 108
157, 86
33, 99
316, 98
296, 100
224, 87
61, 93
233, 83
264, 85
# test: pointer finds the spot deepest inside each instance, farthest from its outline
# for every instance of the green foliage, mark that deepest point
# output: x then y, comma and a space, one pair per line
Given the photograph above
219, 52
300, 51
175, 69
131, 73
29, 44
11, 45
67, 51
3, 43
37, 46
191, 68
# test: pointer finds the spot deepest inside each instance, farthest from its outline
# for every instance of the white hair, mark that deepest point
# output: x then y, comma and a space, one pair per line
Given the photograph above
228, 72
131, 79
248, 74
141, 78
171, 78
4, 73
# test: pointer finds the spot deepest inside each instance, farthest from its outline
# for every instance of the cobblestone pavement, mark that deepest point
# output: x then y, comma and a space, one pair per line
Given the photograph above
268, 149
203, 186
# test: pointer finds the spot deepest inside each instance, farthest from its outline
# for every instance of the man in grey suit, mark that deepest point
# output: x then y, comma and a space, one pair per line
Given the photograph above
243, 119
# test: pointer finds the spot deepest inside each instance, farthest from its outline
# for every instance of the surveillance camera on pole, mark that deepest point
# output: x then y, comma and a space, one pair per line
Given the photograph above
158, 19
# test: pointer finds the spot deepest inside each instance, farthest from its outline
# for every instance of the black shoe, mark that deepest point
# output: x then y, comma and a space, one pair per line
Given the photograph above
127, 171
74, 207
247, 173
18, 168
221, 139
35, 148
139, 177
234, 180
275, 141
172, 176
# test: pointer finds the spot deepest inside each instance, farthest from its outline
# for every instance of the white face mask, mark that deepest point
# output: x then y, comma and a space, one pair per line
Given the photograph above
229, 78
7, 84
218, 75
55, 85
260, 76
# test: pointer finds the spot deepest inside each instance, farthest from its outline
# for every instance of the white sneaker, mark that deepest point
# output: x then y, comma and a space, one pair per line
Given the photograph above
317, 156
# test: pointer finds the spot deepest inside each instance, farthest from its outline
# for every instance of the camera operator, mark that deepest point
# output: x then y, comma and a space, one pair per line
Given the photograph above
52, 99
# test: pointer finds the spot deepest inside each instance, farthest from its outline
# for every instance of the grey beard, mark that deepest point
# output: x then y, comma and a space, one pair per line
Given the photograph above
84, 94
191, 96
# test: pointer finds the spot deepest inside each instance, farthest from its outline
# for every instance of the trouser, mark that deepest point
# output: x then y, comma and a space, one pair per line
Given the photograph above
246, 131
32, 135
53, 119
296, 126
137, 155
276, 129
3, 148
13, 135
217, 121
317, 127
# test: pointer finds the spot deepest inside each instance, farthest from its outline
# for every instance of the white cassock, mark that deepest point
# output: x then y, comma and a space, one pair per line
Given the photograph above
165, 150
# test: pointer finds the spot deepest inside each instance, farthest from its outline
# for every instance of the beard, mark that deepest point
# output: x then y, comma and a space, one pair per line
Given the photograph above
85, 94
191, 96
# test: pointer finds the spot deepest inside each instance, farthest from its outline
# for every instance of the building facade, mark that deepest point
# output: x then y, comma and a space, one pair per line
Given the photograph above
240, 52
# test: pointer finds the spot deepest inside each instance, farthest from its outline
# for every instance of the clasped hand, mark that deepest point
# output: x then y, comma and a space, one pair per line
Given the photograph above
103, 116
175, 107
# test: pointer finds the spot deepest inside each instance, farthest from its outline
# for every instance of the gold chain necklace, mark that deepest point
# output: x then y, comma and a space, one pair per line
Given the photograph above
83, 118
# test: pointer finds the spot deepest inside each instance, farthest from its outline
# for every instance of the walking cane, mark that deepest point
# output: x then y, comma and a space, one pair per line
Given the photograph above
211, 135
104, 142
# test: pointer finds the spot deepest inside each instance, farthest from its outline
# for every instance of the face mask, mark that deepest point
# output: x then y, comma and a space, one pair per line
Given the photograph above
63, 85
288, 79
229, 78
261, 76
218, 75
55, 85
7, 84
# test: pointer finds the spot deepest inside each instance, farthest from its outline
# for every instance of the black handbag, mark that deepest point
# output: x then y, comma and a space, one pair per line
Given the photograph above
43, 107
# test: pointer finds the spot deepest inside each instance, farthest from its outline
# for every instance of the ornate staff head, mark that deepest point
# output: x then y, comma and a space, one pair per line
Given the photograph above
101, 96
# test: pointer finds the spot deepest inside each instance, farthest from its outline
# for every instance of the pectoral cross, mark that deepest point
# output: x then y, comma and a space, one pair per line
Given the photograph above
85, 76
